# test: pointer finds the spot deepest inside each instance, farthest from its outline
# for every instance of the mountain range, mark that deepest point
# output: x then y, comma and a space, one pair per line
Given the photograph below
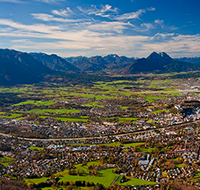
109, 64
114, 64
73, 59
189, 59
54, 62
159, 63
21, 67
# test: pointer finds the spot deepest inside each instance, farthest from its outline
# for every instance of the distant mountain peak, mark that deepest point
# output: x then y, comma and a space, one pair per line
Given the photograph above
153, 54
113, 55
164, 55
155, 61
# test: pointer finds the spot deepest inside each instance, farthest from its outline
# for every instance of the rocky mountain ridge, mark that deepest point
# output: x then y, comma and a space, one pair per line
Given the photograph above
21, 67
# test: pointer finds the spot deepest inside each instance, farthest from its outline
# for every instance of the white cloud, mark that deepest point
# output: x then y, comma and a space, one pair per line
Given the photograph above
148, 26
5, 29
20, 41
62, 12
108, 8
99, 12
109, 26
162, 36
47, 32
74, 39
176, 45
160, 22
132, 15
151, 9
173, 28
122, 45
36, 27
92, 43
47, 17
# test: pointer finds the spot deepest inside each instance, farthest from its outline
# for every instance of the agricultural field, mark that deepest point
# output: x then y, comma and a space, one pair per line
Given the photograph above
134, 181
5, 161
104, 177
36, 148
116, 101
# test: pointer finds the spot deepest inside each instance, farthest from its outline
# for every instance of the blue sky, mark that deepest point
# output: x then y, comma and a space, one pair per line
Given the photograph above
133, 28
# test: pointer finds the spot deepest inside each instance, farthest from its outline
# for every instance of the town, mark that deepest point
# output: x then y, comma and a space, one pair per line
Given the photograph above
106, 136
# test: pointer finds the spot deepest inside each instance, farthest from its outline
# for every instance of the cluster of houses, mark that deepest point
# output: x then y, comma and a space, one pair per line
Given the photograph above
149, 166
52, 128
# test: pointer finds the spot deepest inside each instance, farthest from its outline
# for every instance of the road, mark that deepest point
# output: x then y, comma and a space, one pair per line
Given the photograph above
85, 138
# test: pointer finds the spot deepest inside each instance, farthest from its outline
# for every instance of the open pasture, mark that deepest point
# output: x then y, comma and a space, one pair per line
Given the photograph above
134, 181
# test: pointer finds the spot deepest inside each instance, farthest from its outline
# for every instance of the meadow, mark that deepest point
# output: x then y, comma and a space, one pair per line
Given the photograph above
6, 160
64, 103
134, 181
105, 177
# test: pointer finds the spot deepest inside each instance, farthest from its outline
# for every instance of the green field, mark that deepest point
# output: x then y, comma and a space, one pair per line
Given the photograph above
38, 103
12, 116
111, 144
179, 165
36, 148
48, 188
97, 97
134, 181
156, 82
104, 177
73, 119
160, 111
144, 149
6, 160
42, 111
198, 174
127, 119
124, 145
36, 180
133, 144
